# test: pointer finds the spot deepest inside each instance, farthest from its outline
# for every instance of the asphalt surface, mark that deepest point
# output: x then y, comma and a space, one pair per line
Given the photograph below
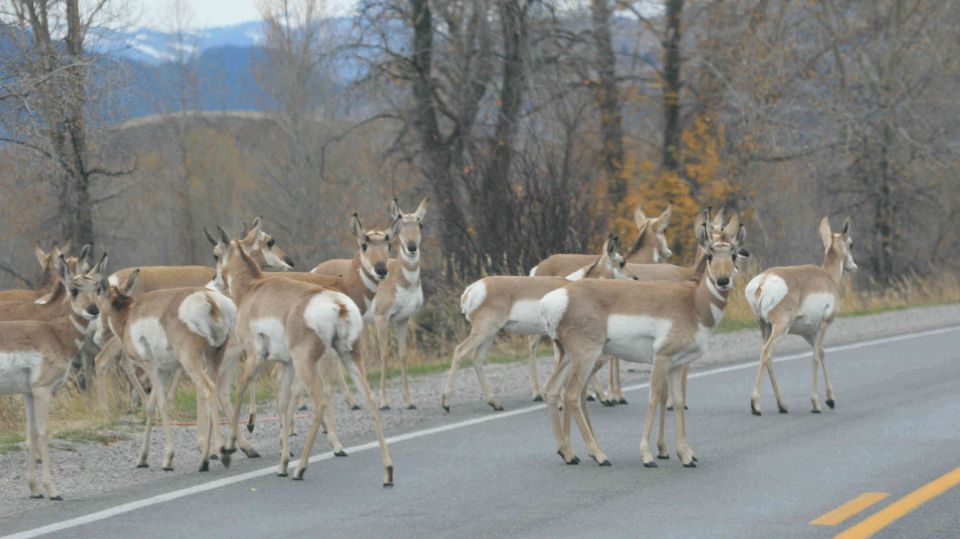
895, 429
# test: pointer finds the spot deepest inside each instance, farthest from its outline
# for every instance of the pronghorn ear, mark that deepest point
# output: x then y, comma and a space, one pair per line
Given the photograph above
717, 223
43, 300
210, 238
825, 233
83, 259
65, 248
253, 236
639, 217
741, 235
394, 228
63, 269
642, 228
101, 267
664, 219
733, 225
131, 282
743, 253
703, 236
846, 227
422, 209
395, 209
613, 244
357, 227
42, 257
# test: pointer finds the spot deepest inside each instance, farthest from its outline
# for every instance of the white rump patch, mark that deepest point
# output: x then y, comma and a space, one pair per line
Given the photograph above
270, 339
577, 275
472, 298
635, 337
19, 371
772, 291
524, 318
533, 271
552, 308
195, 311
322, 315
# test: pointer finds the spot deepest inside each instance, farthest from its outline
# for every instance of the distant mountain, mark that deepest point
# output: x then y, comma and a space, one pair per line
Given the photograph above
154, 47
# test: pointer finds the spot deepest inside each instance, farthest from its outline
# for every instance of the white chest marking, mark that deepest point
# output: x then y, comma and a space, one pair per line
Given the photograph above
713, 290
19, 371
406, 302
367, 281
411, 276
524, 318
717, 313
634, 337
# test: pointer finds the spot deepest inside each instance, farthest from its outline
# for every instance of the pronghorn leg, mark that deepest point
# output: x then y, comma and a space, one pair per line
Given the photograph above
683, 389
479, 360
251, 405
662, 452
584, 372
151, 408
383, 348
616, 387
684, 452
130, 371
554, 386
41, 411
657, 386
174, 384
329, 368
159, 388
226, 376
403, 332
773, 334
347, 392
601, 395
251, 368
32, 445
358, 374
305, 363
193, 363
481, 331
283, 403
533, 341
821, 333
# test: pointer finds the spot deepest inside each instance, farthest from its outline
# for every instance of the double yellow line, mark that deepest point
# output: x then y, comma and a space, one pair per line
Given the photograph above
889, 514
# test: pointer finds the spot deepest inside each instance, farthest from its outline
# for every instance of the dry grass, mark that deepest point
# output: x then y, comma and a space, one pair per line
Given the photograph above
77, 417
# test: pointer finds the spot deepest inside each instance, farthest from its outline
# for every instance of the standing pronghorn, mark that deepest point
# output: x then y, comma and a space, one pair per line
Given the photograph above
801, 300
49, 280
668, 324
35, 359
165, 331
294, 323
650, 247
510, 303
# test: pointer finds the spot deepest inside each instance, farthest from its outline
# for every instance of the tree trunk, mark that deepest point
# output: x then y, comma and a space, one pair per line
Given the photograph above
608, 102
672, 62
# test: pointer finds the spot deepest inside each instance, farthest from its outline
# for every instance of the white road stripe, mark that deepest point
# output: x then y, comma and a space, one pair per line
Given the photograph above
226, 481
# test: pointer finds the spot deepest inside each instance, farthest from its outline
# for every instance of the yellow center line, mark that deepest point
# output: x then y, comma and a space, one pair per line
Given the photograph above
849, 509
896, 510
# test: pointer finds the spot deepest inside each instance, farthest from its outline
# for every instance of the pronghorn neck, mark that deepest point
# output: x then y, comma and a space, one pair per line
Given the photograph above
410, 266
74, 330
833, 265
239, 280
119, 316
710, 301
643, 251
367, 279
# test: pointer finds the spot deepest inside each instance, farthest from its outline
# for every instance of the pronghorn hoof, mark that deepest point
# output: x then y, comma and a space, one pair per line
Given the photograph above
669, 408
388, 482
298, 475
622, 401
143, 465
226, 451
340, 453
355, 407
783, 410
650, 464
591, 398
603, 462
753, 408
574, 461
225, 459
496, 407
385, 407
213, 456
412, 407
691, 464
302, 408
815, 411
831, 404
250, 427
36, 496
281, 474
56, 498
663, 457
609, 403
446, 407
204, 467
538, 398
168, 468
253, 454
294, 433
694, 459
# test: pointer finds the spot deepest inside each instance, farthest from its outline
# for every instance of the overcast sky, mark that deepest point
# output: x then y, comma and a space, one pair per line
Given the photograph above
208, 13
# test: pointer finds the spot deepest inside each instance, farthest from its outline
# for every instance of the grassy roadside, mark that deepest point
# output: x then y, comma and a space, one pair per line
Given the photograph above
76, 418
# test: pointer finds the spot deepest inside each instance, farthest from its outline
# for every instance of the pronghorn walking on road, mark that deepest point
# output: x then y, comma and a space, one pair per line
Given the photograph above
667, 324
36, 357
801, 300
510, 303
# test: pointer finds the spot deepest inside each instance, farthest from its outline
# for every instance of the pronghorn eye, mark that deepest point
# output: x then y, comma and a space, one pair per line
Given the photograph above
363, 246
271, 242
420, 225
74, 291
709, 257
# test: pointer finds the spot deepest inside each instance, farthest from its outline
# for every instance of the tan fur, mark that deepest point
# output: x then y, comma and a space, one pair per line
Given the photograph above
805, 285
676, 319
35, 358
500, 296
48, 281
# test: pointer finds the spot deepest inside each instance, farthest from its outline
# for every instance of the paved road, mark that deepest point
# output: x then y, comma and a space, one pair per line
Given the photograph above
896, 429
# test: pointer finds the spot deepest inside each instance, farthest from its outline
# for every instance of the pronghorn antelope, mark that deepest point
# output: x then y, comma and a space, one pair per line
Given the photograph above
164, 331
510, 303
294, 323
36, 357
651, 247
668, 324
51, 306
363, 274
49, 280
801, 300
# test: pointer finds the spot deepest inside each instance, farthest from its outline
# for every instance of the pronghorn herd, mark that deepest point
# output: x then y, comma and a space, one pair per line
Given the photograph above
220, 325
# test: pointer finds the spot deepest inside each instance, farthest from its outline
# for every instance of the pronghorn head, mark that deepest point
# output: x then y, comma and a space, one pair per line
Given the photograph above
232, 262
259, 245
410, 231
610, 265
51, 271
81, 286
840, 244
114, 303
374, 246
721, 253
652, 232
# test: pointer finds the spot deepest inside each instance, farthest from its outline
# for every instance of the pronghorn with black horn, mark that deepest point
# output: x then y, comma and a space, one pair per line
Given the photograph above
294, 323
49, 280
802, 300
666, 324
164, 331
510, 303
36, 357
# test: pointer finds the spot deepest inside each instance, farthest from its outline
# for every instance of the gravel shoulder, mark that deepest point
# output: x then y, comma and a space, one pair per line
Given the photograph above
87, 471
